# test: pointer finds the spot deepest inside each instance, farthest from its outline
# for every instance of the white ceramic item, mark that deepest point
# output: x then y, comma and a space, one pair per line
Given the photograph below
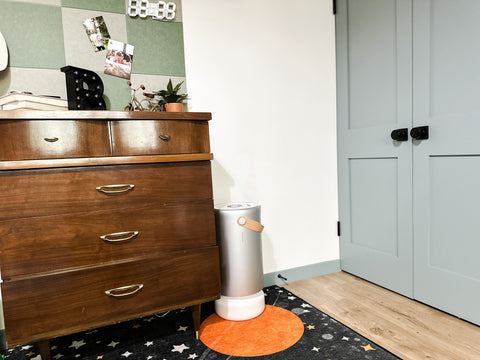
3, 53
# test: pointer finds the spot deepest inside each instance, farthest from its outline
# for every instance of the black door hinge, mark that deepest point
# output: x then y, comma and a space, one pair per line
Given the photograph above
334, 7
338, 228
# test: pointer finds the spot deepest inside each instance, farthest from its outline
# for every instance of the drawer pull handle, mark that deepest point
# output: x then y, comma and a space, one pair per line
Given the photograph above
115, 189
51, 139
120, 236
164, 137
124, 290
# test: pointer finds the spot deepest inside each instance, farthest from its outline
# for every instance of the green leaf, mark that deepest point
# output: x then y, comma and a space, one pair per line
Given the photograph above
170, 95
175, 90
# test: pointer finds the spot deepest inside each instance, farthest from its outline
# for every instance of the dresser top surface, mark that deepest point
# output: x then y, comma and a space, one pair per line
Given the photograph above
101, 115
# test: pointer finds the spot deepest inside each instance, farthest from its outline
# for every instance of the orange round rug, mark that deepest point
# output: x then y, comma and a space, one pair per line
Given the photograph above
276, 329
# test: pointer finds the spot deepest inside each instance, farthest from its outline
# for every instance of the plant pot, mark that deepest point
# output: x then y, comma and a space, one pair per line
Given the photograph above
174, 107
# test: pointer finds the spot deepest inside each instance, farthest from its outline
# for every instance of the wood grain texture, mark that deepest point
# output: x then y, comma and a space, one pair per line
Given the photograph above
44, 349
409, 329
55, 265
30, 193
76, 300
102, 115
98, 161
159, 137
73, 240
47, 139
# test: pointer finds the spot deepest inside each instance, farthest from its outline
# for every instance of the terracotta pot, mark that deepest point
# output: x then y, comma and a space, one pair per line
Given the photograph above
174, 107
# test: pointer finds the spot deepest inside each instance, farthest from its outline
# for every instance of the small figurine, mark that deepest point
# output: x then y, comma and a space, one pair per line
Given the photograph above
134, 104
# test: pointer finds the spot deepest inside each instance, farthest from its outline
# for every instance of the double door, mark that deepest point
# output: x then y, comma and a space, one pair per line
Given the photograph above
408, 86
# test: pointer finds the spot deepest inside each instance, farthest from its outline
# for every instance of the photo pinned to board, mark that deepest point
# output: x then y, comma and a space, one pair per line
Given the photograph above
119, 59
97, 32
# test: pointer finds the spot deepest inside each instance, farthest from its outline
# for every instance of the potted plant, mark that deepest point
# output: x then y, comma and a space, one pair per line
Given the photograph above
172, 100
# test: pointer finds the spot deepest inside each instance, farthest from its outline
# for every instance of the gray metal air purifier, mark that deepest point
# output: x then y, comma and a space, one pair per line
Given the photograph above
239, 235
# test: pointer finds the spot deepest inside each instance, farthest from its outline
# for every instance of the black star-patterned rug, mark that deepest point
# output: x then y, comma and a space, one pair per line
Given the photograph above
170, 336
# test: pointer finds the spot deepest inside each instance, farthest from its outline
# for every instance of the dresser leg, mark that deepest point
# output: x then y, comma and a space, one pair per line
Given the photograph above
196, 310
44, 348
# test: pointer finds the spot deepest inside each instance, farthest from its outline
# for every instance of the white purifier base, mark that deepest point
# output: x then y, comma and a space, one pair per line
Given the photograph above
240, 308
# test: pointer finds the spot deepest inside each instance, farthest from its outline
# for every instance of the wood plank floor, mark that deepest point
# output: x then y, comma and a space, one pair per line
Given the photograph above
406, 328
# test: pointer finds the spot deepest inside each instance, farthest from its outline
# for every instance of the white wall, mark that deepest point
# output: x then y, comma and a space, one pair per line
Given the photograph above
266, 71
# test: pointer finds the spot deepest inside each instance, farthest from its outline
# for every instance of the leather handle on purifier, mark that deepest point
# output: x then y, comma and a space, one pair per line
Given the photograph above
250, 224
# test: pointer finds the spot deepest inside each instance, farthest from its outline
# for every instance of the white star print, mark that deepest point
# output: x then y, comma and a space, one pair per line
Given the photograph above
126, 354
182, 328
26, 347
149, 357
58, 356
345, 338
305, 305
192, 356
113, 344
76, 344
149, 343
315, 349
179, 348
291, 298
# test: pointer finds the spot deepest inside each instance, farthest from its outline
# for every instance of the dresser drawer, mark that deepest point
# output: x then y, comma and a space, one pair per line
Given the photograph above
49, 139
49, 306
41, 244
28, 193
144, 137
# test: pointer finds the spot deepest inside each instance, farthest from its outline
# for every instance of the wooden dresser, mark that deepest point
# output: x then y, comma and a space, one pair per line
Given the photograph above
104, 216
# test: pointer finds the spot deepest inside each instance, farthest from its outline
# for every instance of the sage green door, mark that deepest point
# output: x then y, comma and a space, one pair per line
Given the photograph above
409, 210
446, 167
374, 97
